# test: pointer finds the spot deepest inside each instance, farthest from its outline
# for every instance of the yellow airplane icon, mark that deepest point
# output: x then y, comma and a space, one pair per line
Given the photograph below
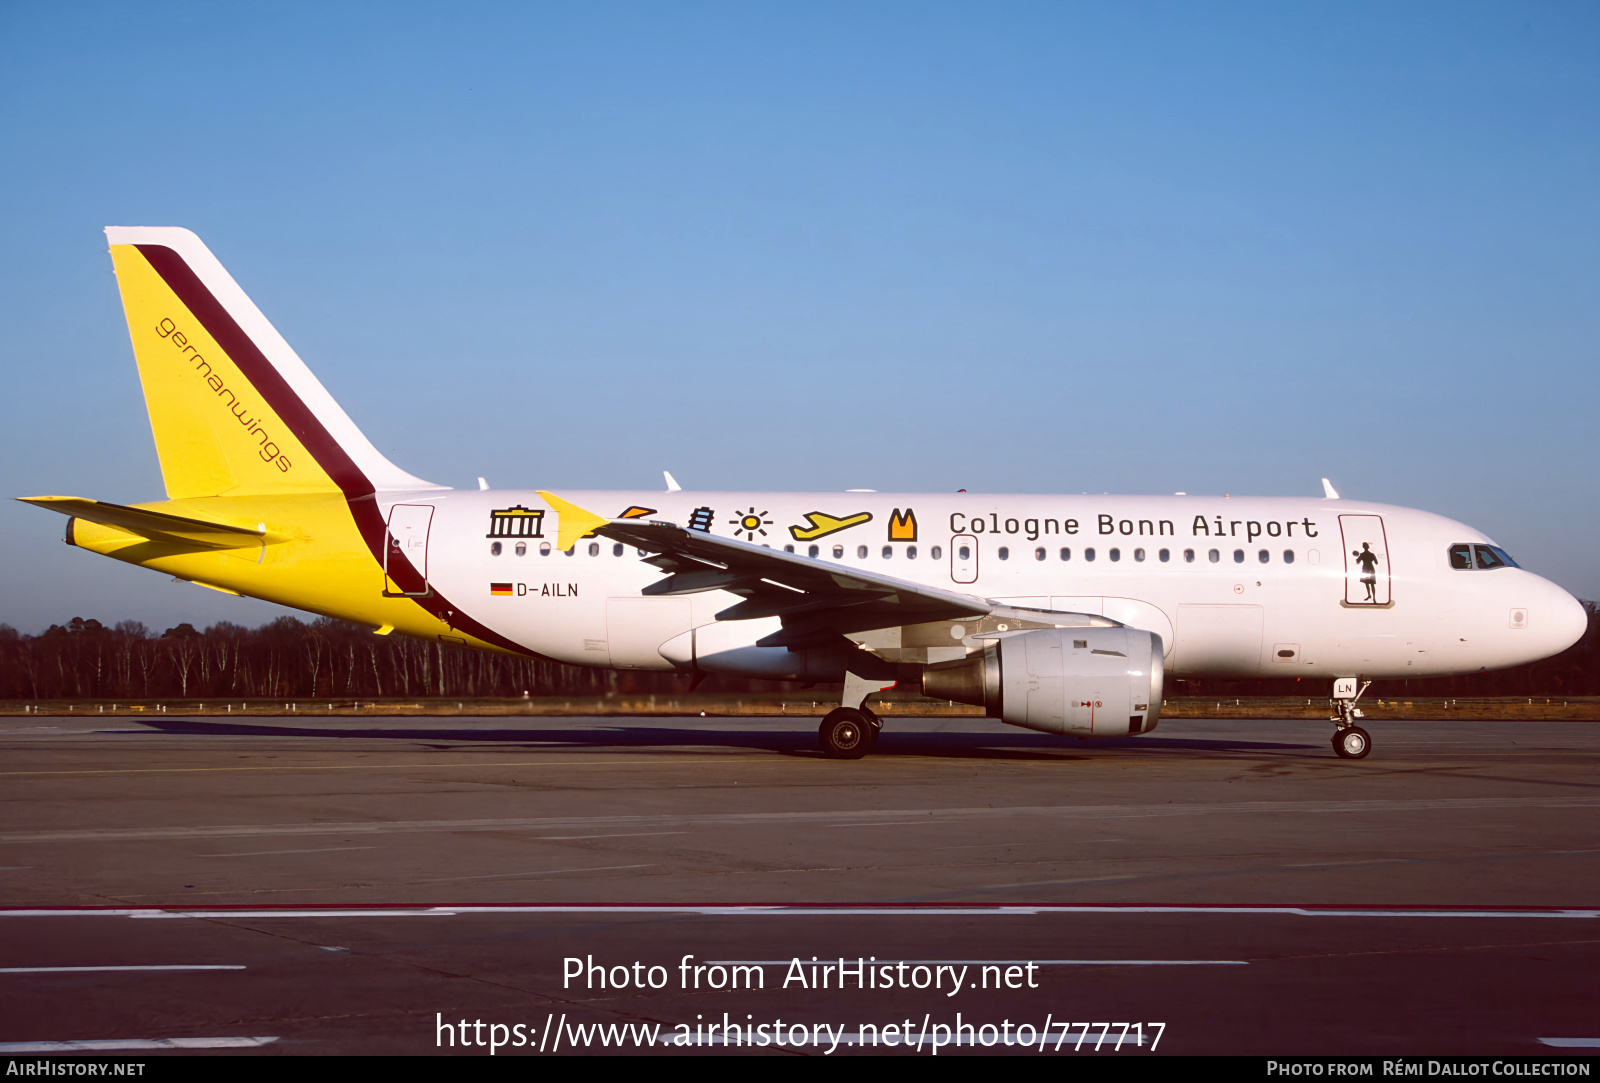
823, 524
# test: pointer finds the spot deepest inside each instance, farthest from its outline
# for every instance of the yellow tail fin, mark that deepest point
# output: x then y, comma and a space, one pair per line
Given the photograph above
233, 410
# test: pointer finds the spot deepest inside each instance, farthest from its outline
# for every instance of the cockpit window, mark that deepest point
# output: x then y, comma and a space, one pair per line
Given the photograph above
1465, 557
1492, 556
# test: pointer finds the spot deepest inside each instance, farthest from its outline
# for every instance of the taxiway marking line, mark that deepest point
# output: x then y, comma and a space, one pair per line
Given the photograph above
866, 816
374, 766
102, 969
991, 962
320, 850
941, 910
521, 875
623, 835
113, 1045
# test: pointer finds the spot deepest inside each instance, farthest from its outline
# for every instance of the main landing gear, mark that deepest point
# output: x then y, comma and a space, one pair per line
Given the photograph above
1350, 741
848, 732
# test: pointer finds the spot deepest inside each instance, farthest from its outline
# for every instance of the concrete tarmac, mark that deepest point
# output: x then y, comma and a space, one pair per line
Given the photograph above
368, 880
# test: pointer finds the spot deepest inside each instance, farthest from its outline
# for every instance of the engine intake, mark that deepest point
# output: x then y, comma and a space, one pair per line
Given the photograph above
1092, 682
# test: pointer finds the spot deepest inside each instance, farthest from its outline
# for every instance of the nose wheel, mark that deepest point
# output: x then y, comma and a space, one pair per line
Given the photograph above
1351, 743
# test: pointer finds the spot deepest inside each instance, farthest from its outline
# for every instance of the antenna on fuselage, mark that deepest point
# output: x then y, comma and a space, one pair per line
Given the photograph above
1328, 492
672, 482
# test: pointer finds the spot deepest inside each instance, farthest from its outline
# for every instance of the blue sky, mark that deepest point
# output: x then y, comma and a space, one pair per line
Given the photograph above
1060, 247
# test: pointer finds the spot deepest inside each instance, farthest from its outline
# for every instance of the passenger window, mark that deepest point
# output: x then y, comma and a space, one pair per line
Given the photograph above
861, 552
1066, 554
616, 550
1213, 556
522, 549
888, 552
1004, 553
1138, 554
911, 552
571, 550
1115, 554
838, 552
936, 552
1188, 556
594, 549
494, 549
1263, 556
964, 553
1165, 555
788, 548
1088, 554
544, 549
812, 551
1288, 556
1038, 554
1238, 556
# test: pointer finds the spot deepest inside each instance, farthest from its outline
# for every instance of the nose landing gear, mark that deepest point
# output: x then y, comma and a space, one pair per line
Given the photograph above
1350, 741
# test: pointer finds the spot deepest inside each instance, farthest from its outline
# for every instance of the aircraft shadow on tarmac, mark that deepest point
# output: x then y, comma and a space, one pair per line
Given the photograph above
800, 741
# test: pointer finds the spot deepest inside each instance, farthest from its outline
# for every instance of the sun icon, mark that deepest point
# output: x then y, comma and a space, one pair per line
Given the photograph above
750, 524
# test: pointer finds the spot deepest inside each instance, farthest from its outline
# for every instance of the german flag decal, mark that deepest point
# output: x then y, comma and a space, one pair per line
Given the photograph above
500, 590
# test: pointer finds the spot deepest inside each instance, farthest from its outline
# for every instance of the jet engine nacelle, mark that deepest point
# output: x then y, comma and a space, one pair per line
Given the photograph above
1091, 682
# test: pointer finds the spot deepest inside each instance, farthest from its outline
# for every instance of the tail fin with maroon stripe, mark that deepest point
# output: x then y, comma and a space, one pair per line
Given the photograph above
233, 409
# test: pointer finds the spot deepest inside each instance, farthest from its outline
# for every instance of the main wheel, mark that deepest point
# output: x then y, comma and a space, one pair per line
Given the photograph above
1352, 743
844, 734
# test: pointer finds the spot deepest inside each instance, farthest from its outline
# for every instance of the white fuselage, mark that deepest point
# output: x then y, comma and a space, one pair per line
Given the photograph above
1243, 587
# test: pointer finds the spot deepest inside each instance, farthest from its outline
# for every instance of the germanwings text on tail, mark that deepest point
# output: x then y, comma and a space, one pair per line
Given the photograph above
1056, 613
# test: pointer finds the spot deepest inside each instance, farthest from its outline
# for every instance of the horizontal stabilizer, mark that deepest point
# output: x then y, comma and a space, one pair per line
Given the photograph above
155, 525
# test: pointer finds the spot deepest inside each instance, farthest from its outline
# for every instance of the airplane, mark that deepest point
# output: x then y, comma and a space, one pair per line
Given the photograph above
1062, 614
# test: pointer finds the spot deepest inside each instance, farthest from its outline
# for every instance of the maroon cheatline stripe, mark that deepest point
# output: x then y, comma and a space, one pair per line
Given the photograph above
282, 399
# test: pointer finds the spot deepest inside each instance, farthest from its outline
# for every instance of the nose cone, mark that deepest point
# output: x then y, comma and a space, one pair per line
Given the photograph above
1561, 620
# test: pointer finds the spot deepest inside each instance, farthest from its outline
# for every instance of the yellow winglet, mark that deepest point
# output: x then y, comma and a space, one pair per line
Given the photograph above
575, 521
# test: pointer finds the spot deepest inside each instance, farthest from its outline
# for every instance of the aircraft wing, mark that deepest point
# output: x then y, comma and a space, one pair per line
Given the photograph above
816, 599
